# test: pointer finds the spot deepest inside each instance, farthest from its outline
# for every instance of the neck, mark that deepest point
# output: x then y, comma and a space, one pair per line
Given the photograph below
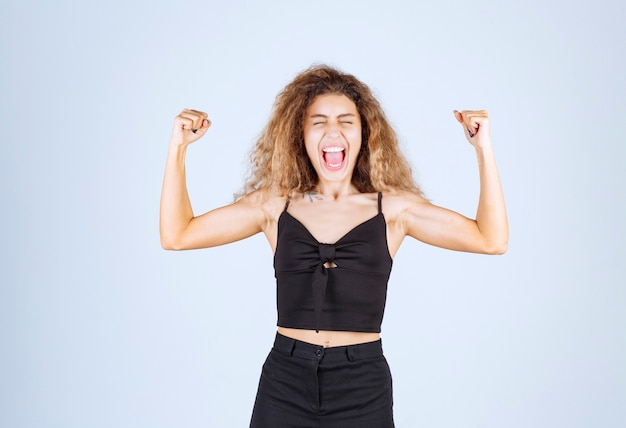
335, 190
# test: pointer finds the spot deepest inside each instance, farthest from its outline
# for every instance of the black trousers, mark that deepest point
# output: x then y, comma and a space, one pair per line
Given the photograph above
307, 386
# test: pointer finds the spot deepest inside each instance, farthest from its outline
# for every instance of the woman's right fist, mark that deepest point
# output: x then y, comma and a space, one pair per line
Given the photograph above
189, 126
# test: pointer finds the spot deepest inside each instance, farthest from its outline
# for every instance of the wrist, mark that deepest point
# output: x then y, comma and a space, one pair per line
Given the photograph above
485, 156
484, 149
177, 151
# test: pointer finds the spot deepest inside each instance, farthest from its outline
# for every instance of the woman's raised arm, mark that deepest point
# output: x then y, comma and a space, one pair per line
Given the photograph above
179, 228
489, 232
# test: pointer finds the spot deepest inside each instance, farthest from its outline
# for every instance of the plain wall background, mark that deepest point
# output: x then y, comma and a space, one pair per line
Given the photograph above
100, 327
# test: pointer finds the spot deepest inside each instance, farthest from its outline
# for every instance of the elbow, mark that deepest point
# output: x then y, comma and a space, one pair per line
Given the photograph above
496, 244
166, 245
171, 238
169, 243
497, 249
170, 247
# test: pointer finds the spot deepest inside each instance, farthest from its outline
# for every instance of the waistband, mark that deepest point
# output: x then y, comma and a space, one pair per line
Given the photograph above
309, 351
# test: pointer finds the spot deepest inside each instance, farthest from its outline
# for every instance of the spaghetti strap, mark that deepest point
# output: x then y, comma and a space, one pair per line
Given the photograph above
286, 204
380, 202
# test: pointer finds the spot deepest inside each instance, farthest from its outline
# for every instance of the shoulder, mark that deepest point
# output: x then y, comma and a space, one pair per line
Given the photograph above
267, 205
396, 203
399, 208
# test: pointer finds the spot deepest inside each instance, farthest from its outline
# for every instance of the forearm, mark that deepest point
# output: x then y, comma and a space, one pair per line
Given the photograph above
176, 211
491, 214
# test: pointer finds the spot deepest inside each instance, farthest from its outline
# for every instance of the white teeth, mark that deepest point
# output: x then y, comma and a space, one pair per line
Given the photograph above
333, 149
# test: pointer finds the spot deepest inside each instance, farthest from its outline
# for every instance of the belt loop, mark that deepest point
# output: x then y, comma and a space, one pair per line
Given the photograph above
284, 344
292, 345
350, 352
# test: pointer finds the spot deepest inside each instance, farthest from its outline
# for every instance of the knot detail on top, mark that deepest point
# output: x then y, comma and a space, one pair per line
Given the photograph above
320, 279
327, 252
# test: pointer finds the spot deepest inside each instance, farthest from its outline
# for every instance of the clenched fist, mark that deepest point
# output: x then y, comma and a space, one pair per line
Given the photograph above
476, 127
189, 126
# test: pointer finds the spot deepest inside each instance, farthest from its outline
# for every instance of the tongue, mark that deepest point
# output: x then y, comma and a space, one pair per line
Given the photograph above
333, 158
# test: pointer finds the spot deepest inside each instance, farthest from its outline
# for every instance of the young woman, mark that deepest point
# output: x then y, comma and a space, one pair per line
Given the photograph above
335, 198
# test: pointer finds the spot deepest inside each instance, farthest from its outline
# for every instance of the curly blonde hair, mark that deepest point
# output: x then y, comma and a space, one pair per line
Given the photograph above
279, 161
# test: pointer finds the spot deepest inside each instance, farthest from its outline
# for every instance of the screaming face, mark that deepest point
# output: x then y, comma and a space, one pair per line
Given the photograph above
332, 136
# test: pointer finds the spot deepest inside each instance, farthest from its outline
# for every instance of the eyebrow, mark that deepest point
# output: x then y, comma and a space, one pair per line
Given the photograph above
319, 115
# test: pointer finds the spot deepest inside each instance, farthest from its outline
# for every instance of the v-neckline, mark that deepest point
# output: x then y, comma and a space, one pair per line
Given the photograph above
345, 235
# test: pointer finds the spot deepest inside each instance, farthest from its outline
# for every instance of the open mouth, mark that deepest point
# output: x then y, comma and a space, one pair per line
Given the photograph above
333, 157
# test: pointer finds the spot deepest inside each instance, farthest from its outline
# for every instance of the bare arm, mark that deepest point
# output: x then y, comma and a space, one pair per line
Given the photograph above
179, 228
489, 232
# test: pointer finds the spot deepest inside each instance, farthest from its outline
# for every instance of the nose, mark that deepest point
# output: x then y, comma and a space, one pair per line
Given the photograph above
333, 130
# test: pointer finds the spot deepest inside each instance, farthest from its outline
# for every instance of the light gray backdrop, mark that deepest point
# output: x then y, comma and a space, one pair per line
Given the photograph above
100, 327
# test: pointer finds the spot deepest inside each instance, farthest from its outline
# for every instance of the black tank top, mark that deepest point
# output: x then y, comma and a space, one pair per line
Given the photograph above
348, 297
